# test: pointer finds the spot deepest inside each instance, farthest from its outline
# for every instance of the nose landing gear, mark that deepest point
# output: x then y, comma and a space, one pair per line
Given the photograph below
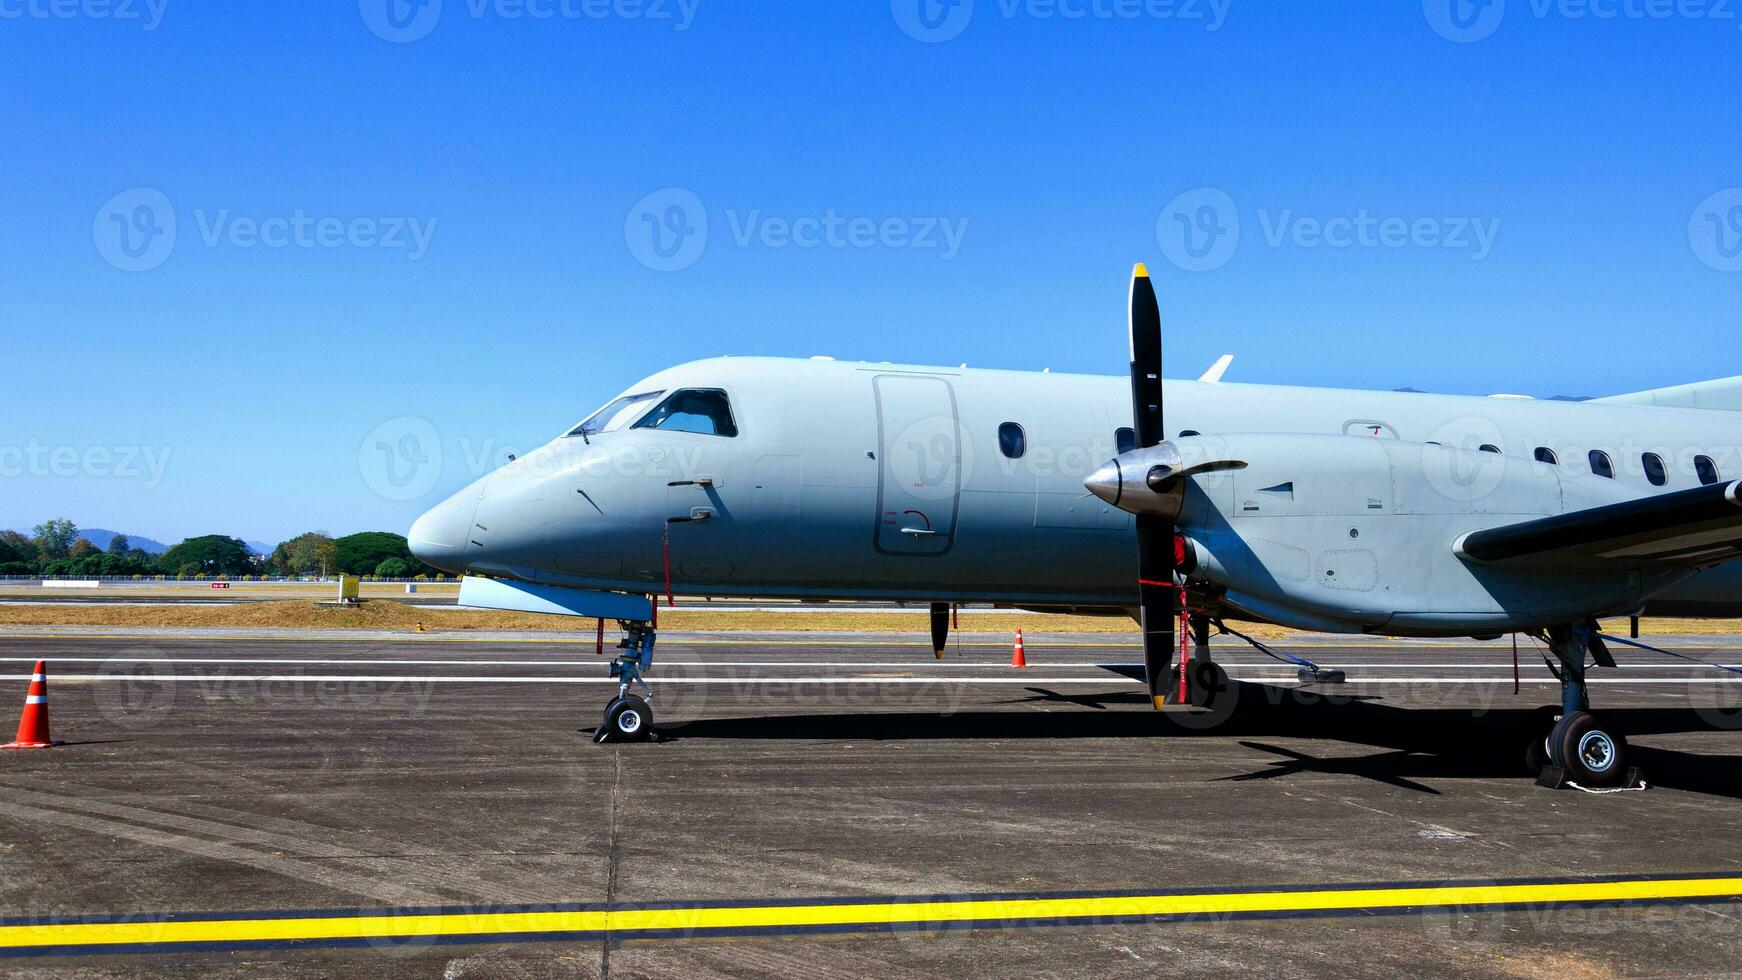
629, 718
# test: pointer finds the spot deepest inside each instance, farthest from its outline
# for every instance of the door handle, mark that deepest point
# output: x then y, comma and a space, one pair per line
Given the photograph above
918, 532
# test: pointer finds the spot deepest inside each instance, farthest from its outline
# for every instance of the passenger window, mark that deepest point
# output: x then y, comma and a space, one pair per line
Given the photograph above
1011, 440
1488, 448
1600, 464
615, 415
702, 410
1654, 470
1124, 440
1546, 455
1707, 470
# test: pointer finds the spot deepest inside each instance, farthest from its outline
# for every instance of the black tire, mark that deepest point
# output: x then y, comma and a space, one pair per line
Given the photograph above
1538, 727
628, 719
1589, 751
1209, 683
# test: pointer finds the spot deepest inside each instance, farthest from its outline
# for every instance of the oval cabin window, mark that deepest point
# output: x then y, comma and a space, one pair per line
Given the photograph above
1706, 470
1654, 469
1011, 440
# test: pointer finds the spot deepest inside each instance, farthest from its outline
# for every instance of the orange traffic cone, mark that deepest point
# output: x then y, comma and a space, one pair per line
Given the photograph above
1016, 657
33, 727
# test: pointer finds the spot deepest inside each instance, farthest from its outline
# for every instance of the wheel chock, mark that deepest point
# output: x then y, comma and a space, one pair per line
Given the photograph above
1551, 777
1320, 675
1554, 777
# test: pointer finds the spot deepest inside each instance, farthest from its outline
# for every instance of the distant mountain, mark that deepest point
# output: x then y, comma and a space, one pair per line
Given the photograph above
1570, 398
259, 547
102, 536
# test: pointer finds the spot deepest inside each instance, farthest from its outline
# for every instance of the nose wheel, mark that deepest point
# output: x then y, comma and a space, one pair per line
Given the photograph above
629, 717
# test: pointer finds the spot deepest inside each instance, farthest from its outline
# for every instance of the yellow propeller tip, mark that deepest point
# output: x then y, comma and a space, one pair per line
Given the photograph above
1140, 271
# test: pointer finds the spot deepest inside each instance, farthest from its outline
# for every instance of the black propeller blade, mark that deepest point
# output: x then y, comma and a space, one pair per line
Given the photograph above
940, 628
1145, 320
1156, 560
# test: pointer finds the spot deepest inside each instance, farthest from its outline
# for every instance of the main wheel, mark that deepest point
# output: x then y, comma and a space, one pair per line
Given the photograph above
1537, 729
1589, 751
627, 719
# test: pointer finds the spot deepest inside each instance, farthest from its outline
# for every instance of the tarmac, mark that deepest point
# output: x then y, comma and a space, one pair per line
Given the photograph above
252, 802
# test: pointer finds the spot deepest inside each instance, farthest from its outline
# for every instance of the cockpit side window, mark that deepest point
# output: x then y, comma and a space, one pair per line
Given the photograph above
703, 410
615, 415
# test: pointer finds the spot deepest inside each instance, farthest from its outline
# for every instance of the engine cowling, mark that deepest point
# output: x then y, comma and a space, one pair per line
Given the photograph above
1350, 533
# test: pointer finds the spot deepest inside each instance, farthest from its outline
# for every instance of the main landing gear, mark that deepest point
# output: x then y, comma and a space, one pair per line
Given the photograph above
1574, 745
629, 718
1206, 681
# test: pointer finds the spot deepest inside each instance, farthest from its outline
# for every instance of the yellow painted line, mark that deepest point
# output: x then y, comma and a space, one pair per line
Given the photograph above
992, 913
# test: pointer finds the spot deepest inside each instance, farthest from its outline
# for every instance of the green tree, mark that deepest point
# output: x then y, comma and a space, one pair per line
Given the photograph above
119, 544
82, 548
393, 568
362, 553
54, 538
310, 553
17, 554
210, 554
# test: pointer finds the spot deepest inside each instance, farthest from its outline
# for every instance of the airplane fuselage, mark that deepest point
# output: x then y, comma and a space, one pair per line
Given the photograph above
881, 481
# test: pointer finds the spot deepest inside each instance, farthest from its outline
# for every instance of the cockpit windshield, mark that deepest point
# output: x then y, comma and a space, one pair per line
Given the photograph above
615, 415
703, 410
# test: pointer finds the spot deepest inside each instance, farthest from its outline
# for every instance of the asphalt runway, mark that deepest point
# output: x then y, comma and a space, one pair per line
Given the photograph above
247, 802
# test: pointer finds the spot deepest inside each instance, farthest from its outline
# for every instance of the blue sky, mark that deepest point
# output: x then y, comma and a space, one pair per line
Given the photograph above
1526, 175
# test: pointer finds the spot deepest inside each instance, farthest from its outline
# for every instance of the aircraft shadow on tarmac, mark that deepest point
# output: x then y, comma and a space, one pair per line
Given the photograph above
1415, 742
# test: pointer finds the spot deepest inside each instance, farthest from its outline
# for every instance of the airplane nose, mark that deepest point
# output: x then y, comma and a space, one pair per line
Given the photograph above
438, 538
1106, 482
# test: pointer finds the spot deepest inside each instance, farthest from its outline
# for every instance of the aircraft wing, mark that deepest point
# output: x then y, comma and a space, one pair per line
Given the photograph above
1724, 395
1699, 527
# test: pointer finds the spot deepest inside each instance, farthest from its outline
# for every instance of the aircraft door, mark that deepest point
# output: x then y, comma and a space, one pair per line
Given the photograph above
919, 472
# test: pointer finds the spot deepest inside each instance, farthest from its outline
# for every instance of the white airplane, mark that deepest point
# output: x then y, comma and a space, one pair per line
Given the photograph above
1319, 509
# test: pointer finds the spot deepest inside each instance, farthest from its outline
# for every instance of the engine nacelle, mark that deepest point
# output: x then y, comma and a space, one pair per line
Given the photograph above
1351, 533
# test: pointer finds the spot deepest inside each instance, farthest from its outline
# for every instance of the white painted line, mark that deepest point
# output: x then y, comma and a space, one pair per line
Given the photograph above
669, 662
754, 680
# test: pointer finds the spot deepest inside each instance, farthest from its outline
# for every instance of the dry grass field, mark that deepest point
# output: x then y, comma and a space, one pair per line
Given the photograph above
398, 616
306, 614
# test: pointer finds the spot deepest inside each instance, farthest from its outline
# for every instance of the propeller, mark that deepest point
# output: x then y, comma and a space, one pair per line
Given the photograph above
1156, 557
